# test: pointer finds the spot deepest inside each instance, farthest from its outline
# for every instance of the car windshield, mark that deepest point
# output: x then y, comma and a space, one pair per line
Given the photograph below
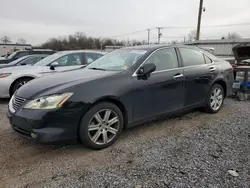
11, 55
117, 60
17, 60
49, 59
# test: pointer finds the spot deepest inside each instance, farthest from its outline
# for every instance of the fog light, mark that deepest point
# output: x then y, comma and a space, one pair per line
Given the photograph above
33, 135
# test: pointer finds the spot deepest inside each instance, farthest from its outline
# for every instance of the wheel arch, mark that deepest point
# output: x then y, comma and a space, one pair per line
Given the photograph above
19, 78
221, 82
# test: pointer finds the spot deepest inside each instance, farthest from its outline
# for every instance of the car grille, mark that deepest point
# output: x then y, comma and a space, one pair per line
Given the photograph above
17, 102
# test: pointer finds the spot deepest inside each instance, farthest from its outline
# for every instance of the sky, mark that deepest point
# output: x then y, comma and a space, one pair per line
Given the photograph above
38, 20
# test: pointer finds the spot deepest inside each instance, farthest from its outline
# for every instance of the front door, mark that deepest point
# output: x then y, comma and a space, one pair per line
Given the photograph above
163, 91
66, 63
199, 72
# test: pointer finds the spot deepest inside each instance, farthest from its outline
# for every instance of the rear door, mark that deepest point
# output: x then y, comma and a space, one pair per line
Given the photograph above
199, 72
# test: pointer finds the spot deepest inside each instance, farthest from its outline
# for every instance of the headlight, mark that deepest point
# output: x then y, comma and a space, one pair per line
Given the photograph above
4, 75
48, 102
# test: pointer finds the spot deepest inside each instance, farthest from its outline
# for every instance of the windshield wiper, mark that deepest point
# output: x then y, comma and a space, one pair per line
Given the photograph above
95, 68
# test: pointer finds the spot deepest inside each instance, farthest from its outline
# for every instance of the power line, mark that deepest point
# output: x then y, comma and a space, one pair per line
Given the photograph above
181, 27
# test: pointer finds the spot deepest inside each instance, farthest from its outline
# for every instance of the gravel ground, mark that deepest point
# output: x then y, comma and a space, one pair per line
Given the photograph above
194, 150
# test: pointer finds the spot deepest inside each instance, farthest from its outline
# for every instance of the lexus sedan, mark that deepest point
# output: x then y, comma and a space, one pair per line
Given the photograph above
26, 60
124, 88
12, 78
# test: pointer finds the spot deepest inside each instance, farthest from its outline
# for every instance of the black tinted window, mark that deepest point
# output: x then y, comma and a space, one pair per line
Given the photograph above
21, 54
191, 57
164, 59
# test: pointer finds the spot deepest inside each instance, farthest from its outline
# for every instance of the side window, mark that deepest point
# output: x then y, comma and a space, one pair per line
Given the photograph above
207, 59
70, 60
21, 54
191, 57
90, 57
29, 61
164, 59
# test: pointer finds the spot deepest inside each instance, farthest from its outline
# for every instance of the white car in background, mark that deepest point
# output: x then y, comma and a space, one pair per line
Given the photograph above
13, 78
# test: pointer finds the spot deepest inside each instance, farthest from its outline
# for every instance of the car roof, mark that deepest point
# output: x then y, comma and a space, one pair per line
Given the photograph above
157, 46
80, 51
37, 55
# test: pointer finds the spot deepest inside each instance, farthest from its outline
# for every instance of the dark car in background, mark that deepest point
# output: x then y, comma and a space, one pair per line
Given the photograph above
124, 88
19, 54
26, 60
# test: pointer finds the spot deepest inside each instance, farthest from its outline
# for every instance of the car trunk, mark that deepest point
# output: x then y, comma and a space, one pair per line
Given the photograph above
241, 52
242, 56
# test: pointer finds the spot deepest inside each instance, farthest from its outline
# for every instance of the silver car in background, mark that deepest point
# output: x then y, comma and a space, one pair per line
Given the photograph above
25, 60
13, 78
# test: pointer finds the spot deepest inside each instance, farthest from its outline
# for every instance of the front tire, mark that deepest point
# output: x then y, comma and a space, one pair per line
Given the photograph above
18, 83
101, 126
214, 99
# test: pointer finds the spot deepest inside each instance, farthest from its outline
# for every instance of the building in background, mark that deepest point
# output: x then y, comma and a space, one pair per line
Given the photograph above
10, 48
222, 47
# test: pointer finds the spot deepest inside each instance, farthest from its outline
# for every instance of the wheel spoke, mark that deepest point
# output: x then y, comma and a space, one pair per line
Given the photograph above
98, 118
219, 97
107, 115
96, 136
105, 137
94, 127
212, 97
218, 91
213, 103
112, 130
113, 121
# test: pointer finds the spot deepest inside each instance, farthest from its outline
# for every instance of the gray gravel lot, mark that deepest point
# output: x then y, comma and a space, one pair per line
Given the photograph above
194, 150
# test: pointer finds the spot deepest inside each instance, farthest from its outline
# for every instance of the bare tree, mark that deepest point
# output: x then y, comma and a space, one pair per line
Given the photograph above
192, 35
6, 39
21, 41
233, 36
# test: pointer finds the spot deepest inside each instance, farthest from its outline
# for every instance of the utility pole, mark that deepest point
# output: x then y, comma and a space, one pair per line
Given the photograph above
199, 21
148, 36
159, 34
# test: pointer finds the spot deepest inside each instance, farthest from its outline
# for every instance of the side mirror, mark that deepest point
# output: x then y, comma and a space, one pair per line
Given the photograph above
146, 70
53, 65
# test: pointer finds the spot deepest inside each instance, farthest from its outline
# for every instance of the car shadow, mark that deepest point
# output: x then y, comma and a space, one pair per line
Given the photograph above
4, 101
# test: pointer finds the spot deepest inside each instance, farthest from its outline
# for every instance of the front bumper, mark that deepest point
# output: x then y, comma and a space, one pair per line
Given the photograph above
53, 126
5, 84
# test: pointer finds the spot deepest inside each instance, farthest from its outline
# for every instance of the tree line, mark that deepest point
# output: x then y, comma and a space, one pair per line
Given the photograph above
79, 41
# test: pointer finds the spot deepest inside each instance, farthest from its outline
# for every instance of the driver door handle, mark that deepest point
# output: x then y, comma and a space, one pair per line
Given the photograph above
177, 76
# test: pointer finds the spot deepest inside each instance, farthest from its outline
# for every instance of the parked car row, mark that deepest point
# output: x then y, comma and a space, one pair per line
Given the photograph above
123, 88
13, 77
19, 54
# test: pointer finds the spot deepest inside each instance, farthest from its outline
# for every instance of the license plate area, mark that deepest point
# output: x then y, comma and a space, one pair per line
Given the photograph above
236, 85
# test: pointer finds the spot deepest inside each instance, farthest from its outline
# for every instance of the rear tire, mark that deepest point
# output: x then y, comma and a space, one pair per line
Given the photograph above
17, 84
101, 126
214, 99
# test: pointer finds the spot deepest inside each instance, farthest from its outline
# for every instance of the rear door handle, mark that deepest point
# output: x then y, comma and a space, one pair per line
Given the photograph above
177, 76
212, 69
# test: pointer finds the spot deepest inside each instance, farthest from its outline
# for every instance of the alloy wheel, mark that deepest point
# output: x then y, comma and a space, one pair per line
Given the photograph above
21, 84
103, 126
216, 99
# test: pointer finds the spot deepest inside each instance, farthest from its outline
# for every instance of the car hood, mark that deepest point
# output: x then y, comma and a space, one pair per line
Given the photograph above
242, 52
56, 83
